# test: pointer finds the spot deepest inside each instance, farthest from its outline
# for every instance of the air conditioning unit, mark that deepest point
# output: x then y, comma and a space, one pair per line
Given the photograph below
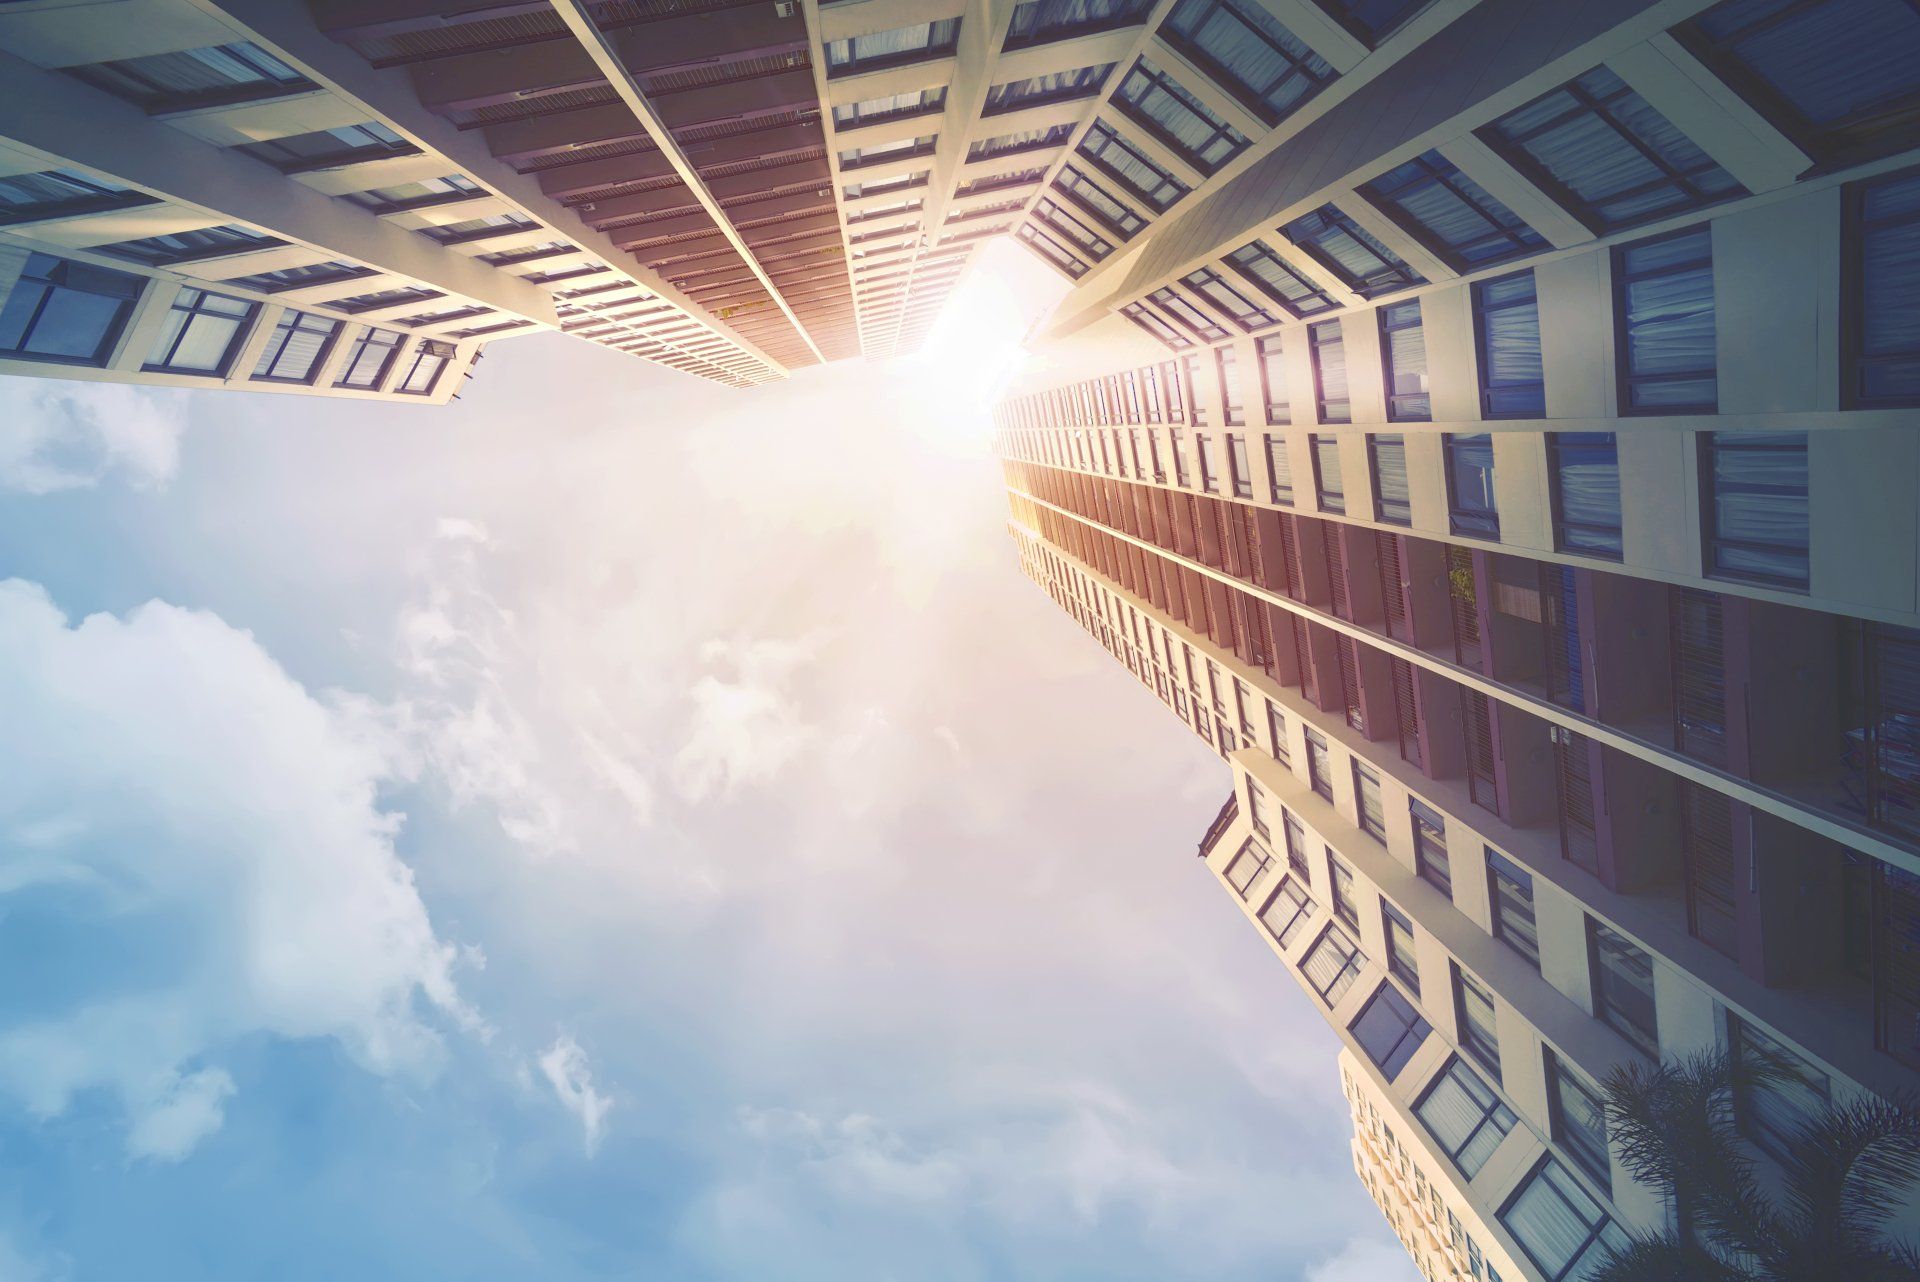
785, 8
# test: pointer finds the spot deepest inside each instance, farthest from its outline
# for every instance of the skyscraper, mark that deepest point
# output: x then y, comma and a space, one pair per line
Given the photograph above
1504, 459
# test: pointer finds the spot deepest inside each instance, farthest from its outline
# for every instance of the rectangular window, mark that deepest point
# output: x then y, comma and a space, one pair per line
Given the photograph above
1319, 764
1297, 846
1506, 320
1248, 864
1243, 47
1257, 808
1345, 906
1329, 489
1184, 313
1465, 1117
1452, 215
1470, 492
1473, 1010
1511, 888
1287, 913
429, 361
60, 193
1402, 963
1579, 1119
1223, 294
1354, 256
1233, 405
1329, 354
1783, 1093
1277, 735
1279, 280
1332, 964
1055, 86
1663, 322
1623, 987
1238, 469
1880, 310
1101, 205
201, 332
1280, 465
897, 47
1756, 506
1389, 1030
1562, 1230
1273, 379
367, 362
1041, 21
1149, 321
66, 312
1392, 496
1137, 174
1366, 791
1603, 152
297, 348
899, 106
1203, 450
1430, 846
217, 74
1584, 468
1165, 108
1403, 349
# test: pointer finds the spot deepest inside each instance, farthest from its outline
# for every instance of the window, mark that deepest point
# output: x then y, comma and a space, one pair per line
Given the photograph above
1354, 256
1345, 907
1579, 1119
903, 149
60, 192
1273, 388
1329, 489
1329, 354
1403, 346
1277, 734
200, 334
1279, 281
1366, 791
1203, 450
328, 148
236, 72
1238, 470
367, 362
191, 246
1177, 118
1233, 406
1880, 315
1257, 808
1392, 499
296, 349
1839, 77
67, 312
1093, 198
1623, 987
1784, 1094
1280, 465
424, 370
1248, 864
1663, 314
1452, 215
1127, 165
1071, 229
1172, 303
1464, 1117
915, 43
1332, 964
1473, 1010
1470, 493
1389, 1030
1297, 846
1506, 320
1319, 764
1240, 309
1402, 963
1755, 506
1190, 380
1584, 468
1563, 1231
899, 106
1241, 45
1601, 150
1151, 322
1039, 21
1511, 888
1056, 86
1287, 912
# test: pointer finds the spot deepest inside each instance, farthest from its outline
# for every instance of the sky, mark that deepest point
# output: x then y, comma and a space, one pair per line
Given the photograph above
613, 827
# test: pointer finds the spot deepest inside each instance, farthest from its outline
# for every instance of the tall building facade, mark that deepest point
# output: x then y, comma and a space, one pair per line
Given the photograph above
1495, 437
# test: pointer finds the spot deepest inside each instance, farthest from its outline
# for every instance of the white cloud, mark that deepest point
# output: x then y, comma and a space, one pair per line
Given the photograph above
18, 1265
565, 1067
64, 436
181, 788
1366, 1260
745, 725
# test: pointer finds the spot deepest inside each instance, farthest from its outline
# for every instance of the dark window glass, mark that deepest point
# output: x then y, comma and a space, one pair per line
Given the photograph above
236, 72
907, 148
899, 106
1389, 1030
1182, 310
1253, 57
1351, 253
327, 148
1470, 493
1579, 1119
1453, 216
1474, 1011
67, 312
1297, 847
1372, 21
1773, 1108
1329, 352
1392, 499
1366, 791
1319, 765
1172, 114
1071, 230
1248, 863
1506, 318
430, 360
1756, 506
1430, 846
1329, 489
367, 362
1203, 450
1280, 464
1345, 907
1664, 316
60, 193
1277, 735
1623, 987
1222, 293
1039, 21
1332, 964
1511, 887
1881, 318
191, 246
1585, 471
1137, 174
1273, 388
296, 349
1278, 280
1287, 913
200, 333
1465, 1117
1098, 203
1402, 962
1055, 86
1403, 346
1561, 1228
1598, 148
898, 46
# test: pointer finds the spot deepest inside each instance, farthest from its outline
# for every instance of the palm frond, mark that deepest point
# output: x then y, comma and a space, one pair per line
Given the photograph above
1665, 1259
1852, 1167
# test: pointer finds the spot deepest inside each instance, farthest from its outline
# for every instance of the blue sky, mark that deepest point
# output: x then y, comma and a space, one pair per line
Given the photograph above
611, 827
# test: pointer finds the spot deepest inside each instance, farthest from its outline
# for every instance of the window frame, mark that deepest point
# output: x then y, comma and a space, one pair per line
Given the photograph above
1621, 280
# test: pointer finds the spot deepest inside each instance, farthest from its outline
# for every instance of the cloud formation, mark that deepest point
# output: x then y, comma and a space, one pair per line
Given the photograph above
65, 436
745, 725
564, 1065
168, 784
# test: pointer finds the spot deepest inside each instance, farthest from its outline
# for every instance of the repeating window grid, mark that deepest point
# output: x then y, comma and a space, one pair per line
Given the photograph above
1164, 108
899, 46
1280, 281
1099, 204
1154, 325
1450, 215
1233, 42
1142, 177
1245, 314
1561, 1228
1354, 255
1057, 86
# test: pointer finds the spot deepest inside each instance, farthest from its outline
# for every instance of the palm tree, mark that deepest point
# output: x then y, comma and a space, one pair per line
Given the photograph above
1850, 1168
